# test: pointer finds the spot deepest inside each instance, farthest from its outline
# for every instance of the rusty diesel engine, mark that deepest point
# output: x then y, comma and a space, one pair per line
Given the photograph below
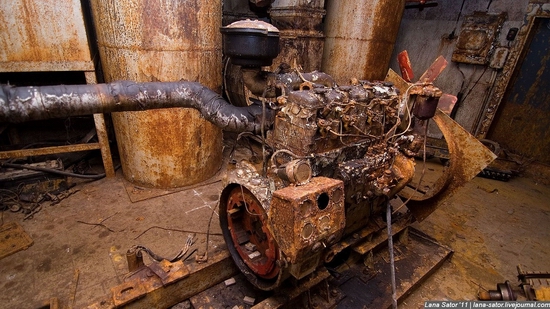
333, 158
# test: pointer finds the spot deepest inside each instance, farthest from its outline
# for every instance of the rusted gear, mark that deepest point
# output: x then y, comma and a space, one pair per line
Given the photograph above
252, 247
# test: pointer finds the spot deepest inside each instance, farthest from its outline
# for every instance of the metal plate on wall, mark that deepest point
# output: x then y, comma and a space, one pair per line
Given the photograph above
477, 38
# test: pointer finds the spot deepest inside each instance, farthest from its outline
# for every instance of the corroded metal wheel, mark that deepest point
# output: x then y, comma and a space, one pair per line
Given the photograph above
252, 247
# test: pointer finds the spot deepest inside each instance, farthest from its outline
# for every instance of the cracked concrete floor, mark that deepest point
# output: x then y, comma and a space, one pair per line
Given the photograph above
80, 243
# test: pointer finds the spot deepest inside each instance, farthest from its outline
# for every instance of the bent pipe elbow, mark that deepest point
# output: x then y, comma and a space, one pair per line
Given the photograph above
21, 104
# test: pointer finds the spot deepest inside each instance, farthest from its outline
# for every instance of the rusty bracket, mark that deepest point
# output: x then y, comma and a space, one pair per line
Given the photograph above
147, 279
166, 284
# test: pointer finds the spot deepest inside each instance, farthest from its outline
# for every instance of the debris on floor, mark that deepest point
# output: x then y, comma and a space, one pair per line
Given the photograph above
12, 239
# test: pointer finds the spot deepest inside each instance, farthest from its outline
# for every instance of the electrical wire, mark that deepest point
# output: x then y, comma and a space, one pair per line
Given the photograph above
408, 112
208, 231
350, 135
188, 243
226, 91
423, 168
8, 199
452, 35
288, 152
475, 84
245, 205
262, 131
392, 258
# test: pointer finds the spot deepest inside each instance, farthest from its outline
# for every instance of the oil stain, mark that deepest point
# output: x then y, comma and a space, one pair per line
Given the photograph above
45, 265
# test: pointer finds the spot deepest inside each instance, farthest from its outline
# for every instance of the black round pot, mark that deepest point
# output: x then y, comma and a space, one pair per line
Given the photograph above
250, 47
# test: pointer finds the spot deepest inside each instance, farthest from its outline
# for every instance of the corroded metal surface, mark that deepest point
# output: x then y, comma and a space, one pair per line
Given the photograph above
250, 235
43, 35
103, 141
305, 219
439, 64
167, 284
347, 136
522, 124
534, 11
468, 158
478, 37
151, 40
360, 36
161, 153
405, 66
47, 150
20, 104
323, 119
148, 279
302, 38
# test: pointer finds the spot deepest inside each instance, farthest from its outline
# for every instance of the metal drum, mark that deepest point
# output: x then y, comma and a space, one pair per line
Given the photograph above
359, 38
153, 40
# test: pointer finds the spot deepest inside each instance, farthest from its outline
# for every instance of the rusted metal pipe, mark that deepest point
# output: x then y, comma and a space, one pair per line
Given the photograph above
134, 257
257, 81
20, 104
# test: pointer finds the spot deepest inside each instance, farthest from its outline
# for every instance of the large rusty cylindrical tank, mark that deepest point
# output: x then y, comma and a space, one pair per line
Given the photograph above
300, 24
359, 38
160, 40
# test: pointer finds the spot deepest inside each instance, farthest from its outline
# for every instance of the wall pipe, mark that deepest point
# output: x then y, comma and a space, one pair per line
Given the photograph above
21, 104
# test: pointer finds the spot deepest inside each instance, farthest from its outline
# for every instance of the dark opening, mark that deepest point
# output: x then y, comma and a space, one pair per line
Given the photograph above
322, 201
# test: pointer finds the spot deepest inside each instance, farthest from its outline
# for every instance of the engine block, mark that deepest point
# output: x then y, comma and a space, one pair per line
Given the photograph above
334, 161
322, 119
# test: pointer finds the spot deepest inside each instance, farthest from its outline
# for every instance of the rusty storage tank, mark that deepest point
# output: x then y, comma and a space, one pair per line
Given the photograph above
156, 40
359, 38
300, 24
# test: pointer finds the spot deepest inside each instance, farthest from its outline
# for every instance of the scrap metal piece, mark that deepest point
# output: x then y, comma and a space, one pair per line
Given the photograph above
527, 284
478, 37
300, 217
135, 259
144, 289
405, 66
144, 281
503, 292
287, 294
13, 238
434, 70
230, 281
249, 300
447, 103
468, 156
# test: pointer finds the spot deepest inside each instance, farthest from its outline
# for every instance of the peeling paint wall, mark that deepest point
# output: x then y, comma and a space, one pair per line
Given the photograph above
521, 124
434, 31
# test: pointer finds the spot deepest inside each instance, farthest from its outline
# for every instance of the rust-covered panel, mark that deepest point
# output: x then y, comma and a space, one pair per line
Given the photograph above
523, 119
478, 37
305, 219
301, 33
360, 36
43, 35
153, 40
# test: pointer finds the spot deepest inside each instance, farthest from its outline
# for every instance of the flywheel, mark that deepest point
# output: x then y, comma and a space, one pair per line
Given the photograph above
243, 222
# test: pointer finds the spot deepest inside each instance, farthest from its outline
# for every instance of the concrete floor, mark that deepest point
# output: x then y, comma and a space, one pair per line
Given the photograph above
79, 244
